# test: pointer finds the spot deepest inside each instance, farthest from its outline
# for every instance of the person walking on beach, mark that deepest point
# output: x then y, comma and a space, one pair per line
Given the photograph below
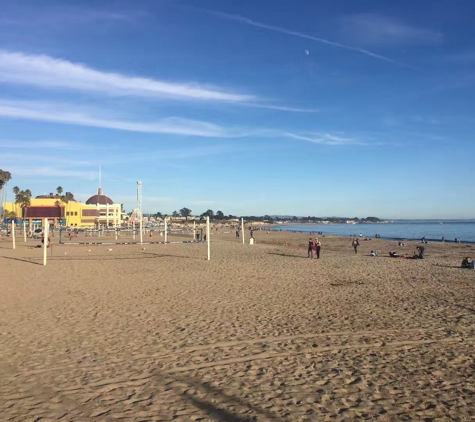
310, 248
318, 247
355, 244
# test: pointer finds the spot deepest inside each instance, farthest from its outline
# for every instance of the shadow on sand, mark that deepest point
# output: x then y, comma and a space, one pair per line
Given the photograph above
29, 261
288, 255
216, 404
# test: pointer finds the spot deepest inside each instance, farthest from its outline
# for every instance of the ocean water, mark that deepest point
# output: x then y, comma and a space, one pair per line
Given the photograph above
432, 231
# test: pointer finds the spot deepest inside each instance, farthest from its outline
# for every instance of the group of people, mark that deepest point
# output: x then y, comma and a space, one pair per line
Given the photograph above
314, 246
419, 254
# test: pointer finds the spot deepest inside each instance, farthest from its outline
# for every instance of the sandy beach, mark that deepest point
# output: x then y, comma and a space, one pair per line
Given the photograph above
158, 333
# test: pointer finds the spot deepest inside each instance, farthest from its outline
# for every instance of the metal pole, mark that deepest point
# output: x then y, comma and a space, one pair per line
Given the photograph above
13, 233
24, 231
207, 237
194, 230
166, 230
242, 230
45, 245
141, 231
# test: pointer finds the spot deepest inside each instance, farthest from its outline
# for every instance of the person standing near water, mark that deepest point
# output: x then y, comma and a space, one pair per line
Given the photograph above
318, 247
355, 244
310, 248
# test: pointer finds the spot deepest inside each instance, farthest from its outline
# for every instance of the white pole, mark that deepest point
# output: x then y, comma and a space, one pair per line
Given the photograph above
141, 231
24, 230
207, 236
194, 230
133, 230
13, 233
166, 230
45, 245
116, 233
242, 230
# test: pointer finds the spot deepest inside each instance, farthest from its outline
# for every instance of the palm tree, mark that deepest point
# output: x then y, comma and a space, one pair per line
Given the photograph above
5, 177
59, 191
23, 198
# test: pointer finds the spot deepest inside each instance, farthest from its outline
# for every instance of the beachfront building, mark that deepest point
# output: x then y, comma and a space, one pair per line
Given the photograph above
98, 211
109, 213
59, 213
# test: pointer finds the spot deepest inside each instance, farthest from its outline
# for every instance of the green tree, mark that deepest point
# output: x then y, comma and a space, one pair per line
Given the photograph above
175, 214
219, 215
59, 191
10, 215
23, 198
185, 212
5, 177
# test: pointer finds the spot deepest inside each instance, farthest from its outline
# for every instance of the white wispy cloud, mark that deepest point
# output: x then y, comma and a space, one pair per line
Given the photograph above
325, 139
284, 108
52, 171
51, 73
12, 144
374, 29
48, 72
64, 114
58, 113
248, 21
40, 157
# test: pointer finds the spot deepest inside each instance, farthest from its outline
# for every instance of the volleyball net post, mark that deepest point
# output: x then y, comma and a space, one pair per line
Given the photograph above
141, 231
242, 230
166, 230
207, 237
45, 244
13, 234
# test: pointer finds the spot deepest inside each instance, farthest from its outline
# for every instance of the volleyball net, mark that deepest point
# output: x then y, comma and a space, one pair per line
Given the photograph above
130, 236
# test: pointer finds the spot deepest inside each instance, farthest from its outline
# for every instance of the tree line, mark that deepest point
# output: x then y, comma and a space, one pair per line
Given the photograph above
220, 216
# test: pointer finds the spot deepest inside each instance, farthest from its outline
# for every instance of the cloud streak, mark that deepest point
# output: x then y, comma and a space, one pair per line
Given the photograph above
51, 73
48, 72
35, 172
325, 139
59, 114
374, 29
248, 21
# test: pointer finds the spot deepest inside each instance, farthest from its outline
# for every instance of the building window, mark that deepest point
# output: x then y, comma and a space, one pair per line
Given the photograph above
67, 212
75, 213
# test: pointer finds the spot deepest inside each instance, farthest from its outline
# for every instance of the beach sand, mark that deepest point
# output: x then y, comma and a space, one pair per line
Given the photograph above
258, 333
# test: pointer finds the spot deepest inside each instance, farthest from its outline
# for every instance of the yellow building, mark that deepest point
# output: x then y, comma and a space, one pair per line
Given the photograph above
99, 210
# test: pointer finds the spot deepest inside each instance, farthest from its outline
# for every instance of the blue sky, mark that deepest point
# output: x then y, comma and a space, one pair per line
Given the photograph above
254, 107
